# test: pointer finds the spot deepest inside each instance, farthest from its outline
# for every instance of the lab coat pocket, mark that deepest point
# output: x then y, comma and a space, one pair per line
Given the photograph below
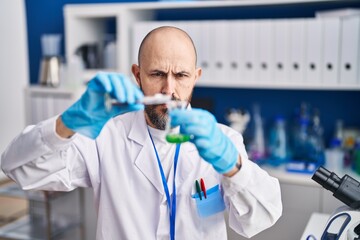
212, 204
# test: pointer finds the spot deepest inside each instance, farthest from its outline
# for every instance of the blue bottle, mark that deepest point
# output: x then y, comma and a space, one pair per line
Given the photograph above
301, 146
278, 144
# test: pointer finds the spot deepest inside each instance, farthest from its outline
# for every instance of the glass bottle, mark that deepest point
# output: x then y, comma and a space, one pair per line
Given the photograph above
301, 141
316, 141
257, 147
334, 157
278, 149
357, 156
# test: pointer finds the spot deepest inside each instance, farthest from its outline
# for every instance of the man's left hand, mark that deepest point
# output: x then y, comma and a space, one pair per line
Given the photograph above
213, 145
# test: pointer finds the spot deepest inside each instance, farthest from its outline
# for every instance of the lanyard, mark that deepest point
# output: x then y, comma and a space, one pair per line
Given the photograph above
170, 202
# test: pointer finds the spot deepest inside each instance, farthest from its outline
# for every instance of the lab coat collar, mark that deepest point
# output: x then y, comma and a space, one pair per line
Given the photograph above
146, 160
138, 128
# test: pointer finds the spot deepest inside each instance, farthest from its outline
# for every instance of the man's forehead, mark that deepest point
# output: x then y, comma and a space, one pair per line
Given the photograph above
167, 41
174, 67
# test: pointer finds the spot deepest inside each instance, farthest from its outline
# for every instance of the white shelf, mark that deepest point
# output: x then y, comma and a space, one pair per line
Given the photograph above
34, 89
282, 85
112, 9
86, 23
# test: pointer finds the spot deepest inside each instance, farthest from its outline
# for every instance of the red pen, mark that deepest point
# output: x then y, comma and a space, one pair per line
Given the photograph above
202, 183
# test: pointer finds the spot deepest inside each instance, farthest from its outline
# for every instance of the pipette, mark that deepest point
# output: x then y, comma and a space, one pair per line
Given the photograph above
146, 100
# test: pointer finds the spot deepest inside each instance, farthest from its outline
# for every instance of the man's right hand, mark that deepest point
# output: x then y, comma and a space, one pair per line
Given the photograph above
88, 115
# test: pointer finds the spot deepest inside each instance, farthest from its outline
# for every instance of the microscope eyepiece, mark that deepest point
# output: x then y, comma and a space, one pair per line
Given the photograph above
327, 179
346, 189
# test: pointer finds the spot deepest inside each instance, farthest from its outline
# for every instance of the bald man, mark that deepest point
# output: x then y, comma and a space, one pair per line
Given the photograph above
145, 187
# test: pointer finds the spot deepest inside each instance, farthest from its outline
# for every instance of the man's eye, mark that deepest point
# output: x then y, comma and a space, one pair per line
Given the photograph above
181, 75
158, 74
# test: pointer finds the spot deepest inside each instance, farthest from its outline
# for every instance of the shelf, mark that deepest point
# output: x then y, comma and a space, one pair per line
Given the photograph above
86, 23
89, 74
278, 85
44, 90
112, 9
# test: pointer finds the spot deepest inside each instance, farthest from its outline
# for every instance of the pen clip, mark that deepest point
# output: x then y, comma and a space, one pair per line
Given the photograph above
203, 188
198, 189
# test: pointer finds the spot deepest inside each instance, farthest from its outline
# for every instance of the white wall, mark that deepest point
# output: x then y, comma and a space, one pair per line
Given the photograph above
14, 74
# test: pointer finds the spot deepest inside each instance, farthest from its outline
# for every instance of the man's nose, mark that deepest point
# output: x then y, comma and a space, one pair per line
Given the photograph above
169, 86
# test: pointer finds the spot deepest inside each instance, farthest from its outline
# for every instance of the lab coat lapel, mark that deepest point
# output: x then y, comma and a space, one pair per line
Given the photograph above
186, 163
146, 159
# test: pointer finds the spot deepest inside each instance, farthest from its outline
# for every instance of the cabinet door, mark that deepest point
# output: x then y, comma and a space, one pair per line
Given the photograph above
299, 202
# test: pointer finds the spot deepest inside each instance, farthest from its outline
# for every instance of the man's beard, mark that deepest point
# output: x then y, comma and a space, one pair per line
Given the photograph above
160, 118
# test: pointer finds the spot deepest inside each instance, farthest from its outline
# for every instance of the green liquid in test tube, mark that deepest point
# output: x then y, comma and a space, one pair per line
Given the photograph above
177, 138
172, 137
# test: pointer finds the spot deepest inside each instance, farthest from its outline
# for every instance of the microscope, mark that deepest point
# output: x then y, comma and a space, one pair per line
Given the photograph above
344, 223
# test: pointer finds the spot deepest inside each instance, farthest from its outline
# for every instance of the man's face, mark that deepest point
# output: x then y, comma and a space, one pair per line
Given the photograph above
167, 68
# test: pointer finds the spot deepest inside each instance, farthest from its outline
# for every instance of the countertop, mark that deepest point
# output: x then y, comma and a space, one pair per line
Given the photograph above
301, 178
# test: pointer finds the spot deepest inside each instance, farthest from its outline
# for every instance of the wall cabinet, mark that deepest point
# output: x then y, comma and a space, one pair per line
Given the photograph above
90, 23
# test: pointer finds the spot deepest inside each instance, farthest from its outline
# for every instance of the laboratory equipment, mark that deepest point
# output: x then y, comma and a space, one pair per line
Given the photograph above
344, 223
257, 147
157, 99
146, 100
316, 139
173, 136
238, 119
109, 54
90, 55
334, 156
357, 156
49, 74
301, 145
278, 144
339, 130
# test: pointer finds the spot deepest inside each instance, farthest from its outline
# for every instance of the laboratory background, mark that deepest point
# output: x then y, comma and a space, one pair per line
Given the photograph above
284, 73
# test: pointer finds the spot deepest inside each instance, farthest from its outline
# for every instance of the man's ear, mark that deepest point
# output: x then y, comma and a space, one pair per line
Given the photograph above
135, 69
198, 73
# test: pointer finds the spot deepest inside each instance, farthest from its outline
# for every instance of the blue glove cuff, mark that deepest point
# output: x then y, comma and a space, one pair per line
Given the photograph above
227, 160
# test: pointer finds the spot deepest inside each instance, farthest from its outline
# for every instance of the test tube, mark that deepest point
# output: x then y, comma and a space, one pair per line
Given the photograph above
147, 100
176, 137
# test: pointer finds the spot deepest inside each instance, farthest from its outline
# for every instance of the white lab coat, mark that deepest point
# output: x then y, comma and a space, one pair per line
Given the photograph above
121, 167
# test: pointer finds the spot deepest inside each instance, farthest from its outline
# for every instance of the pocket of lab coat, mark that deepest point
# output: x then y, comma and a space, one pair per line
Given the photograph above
212, 204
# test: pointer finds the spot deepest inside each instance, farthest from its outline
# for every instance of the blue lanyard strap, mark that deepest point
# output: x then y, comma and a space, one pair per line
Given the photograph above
170, 202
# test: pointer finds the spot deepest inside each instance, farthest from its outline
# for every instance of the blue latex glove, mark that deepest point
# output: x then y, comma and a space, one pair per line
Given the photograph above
213, 145
88, 115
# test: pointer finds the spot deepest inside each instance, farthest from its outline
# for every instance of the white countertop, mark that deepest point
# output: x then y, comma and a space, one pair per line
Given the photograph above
301, 178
